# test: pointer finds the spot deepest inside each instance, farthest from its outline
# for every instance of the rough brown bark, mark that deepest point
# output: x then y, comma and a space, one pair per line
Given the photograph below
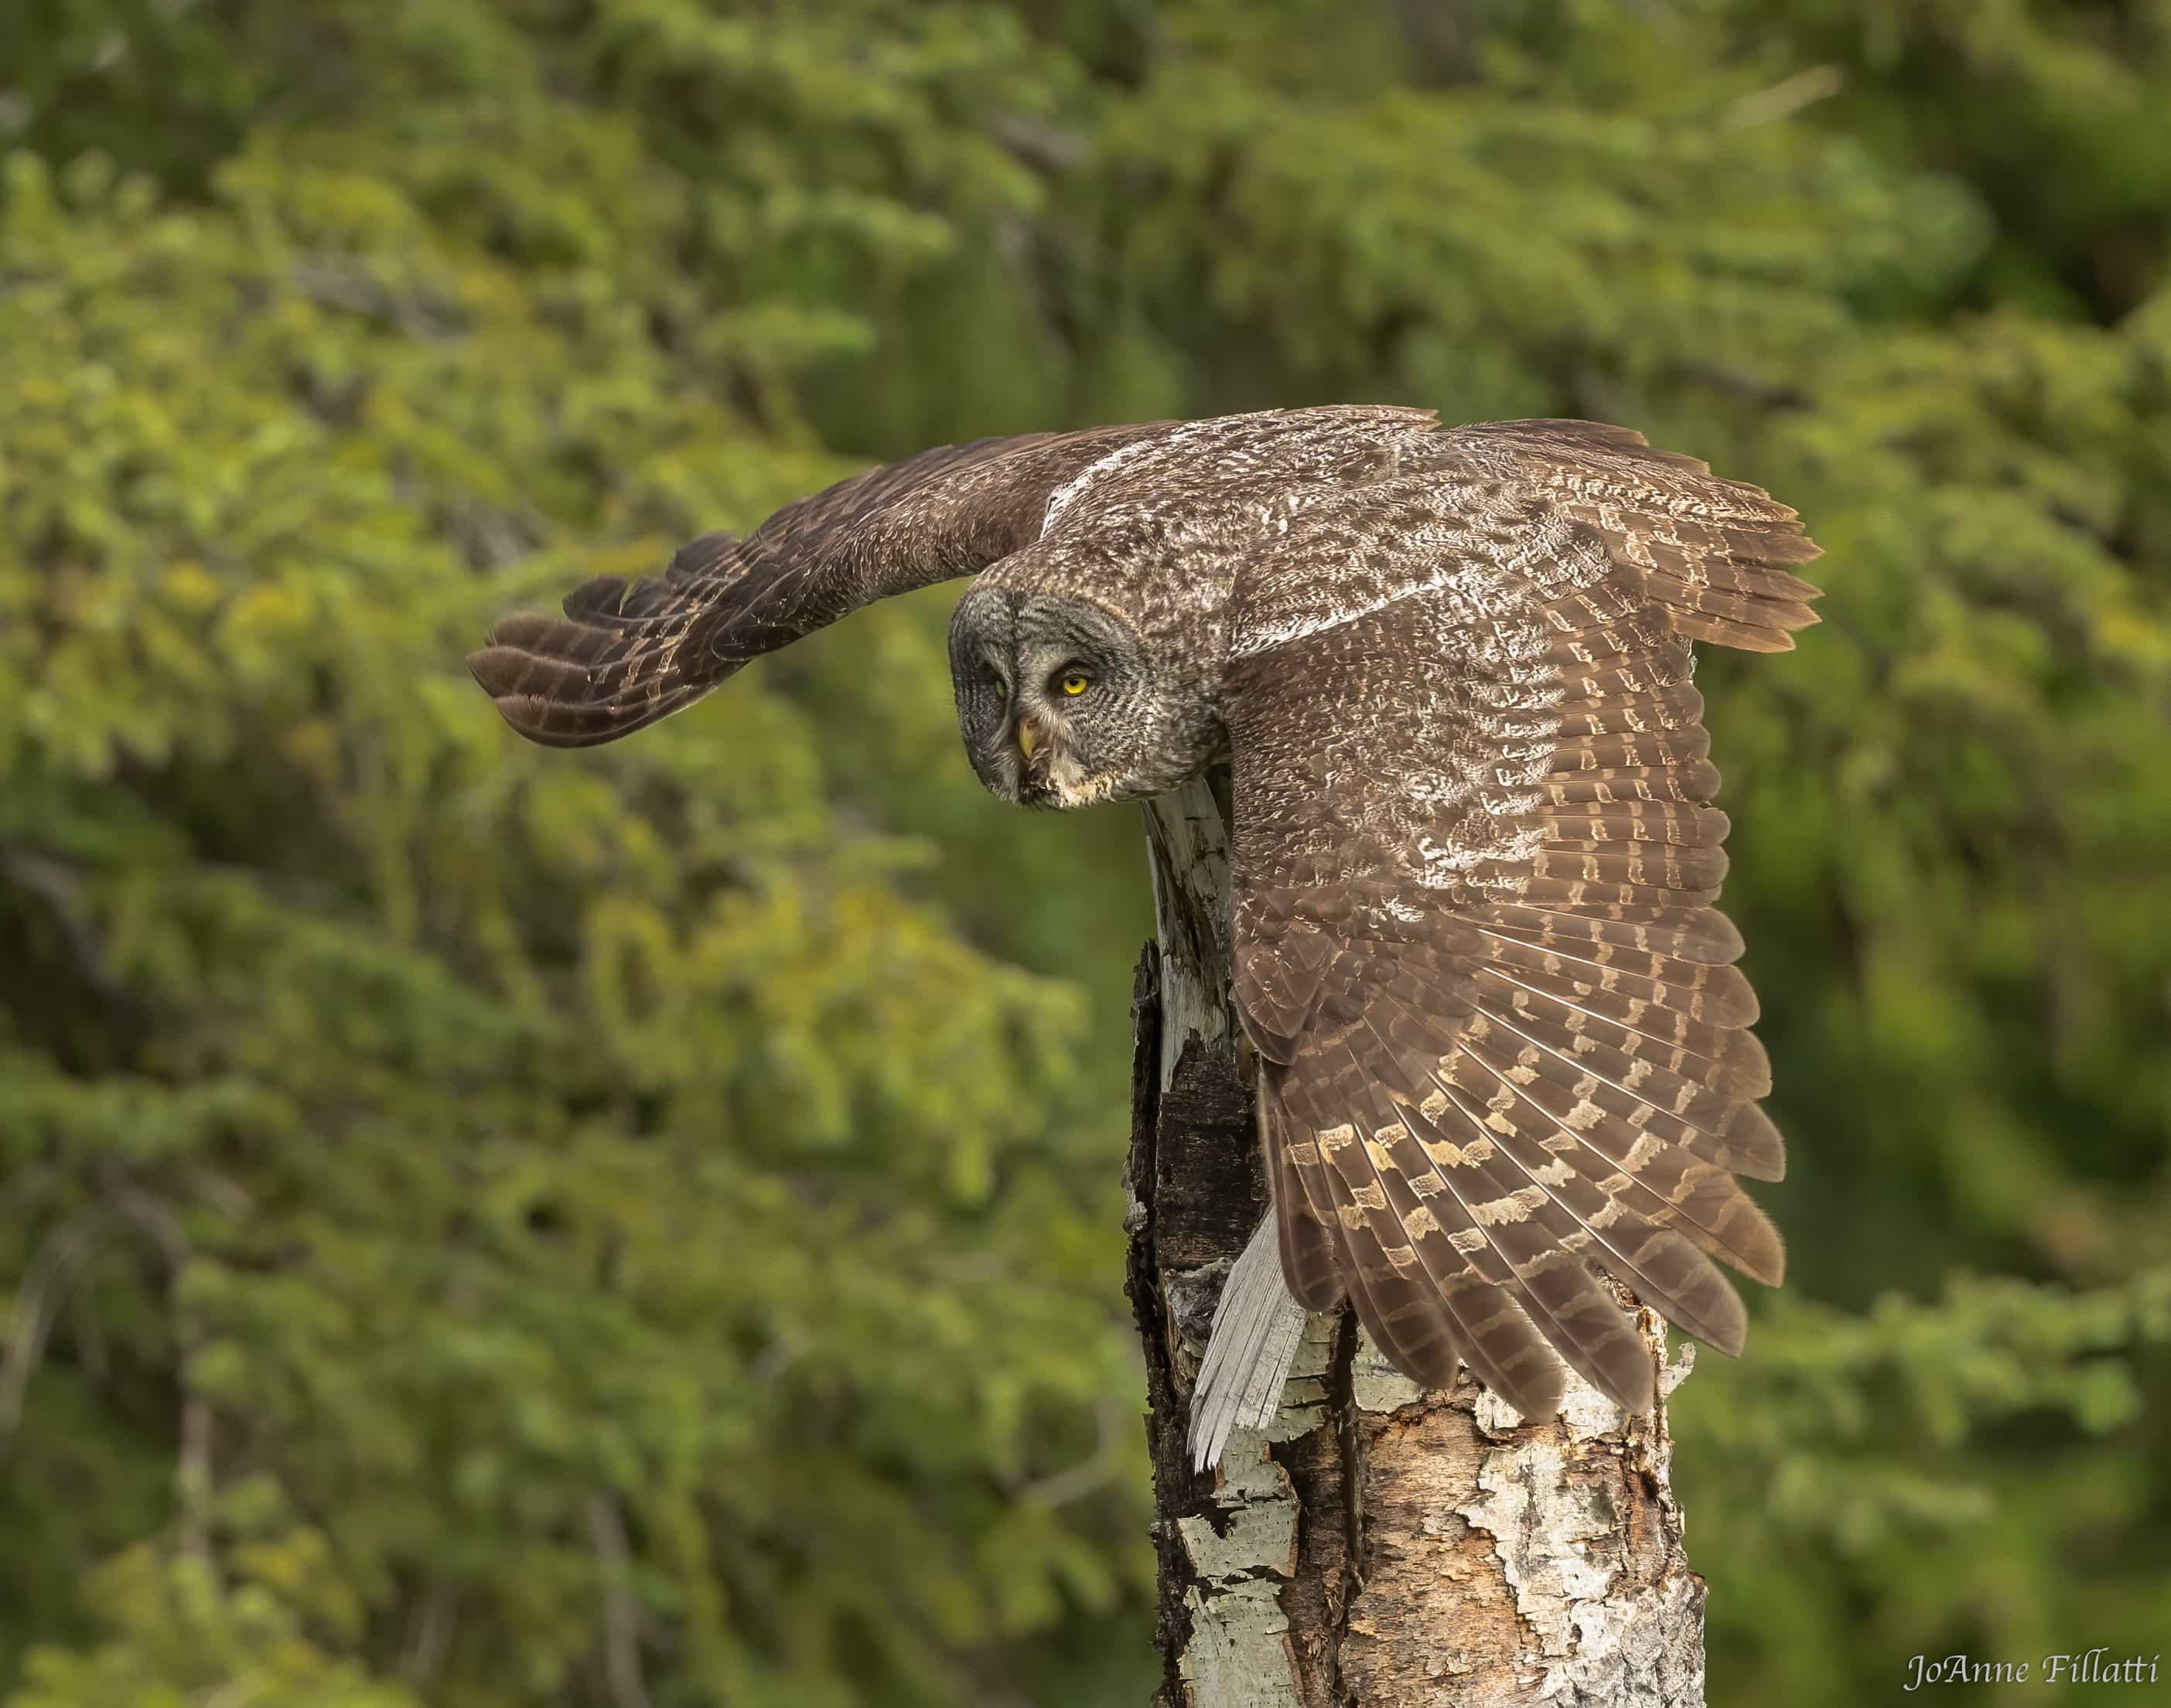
1376, 1546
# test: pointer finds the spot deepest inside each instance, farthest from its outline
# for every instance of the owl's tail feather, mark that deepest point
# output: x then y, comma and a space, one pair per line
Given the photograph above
1257, 1327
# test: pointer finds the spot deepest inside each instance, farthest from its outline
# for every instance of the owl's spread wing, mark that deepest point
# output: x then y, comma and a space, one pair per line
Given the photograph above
625, 654
1501, 1037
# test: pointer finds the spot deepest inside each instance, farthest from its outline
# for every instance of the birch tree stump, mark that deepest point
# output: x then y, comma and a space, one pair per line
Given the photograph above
1375, 1545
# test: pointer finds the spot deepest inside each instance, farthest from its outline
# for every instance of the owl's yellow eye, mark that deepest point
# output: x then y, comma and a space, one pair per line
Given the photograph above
1073, 682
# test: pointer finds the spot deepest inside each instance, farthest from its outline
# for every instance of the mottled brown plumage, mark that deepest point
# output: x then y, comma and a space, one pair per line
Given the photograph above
1501, 1043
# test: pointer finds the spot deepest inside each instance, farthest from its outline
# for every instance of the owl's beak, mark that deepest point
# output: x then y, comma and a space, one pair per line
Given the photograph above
1029, 736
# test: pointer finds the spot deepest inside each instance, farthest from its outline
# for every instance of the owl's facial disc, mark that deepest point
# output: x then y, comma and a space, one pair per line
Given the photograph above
1049, 697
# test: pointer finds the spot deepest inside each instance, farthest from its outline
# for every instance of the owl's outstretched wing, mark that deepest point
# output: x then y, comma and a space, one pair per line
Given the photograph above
1501, 1037
624, 655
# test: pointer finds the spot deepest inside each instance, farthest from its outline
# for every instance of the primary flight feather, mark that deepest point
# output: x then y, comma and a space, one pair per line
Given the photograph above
1501, 1043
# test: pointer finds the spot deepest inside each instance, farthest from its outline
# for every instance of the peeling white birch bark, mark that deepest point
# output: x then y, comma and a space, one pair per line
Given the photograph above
1371, 1545
1509, 1564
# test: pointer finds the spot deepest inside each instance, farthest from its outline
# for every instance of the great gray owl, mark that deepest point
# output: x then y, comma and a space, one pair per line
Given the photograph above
1500, 1035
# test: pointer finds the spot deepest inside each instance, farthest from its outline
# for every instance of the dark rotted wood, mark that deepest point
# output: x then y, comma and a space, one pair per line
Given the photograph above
1142, 1282
1209, 1184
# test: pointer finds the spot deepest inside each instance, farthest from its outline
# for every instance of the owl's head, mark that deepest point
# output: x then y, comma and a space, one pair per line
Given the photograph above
1061, 703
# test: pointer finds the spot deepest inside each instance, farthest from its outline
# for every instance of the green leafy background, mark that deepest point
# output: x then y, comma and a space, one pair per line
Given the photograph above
452, 1190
